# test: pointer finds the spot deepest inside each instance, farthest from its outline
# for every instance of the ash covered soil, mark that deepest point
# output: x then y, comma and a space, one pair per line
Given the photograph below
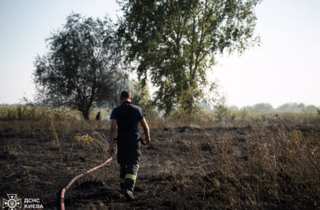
175, 169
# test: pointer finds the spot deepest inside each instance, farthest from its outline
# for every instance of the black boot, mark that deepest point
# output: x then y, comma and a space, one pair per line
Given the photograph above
129, 195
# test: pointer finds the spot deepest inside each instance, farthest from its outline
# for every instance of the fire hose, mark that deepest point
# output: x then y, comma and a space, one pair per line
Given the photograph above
84, 173
77, 177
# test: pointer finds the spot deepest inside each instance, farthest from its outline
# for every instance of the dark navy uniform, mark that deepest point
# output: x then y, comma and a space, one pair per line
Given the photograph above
128, 142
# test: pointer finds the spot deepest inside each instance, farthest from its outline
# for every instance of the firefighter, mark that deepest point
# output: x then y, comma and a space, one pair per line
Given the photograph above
98, 117
127, 117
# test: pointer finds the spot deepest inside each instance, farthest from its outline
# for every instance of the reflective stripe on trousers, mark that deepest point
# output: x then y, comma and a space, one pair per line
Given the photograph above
128, 157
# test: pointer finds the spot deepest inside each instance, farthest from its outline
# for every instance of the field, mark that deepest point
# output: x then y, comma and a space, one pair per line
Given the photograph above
243, 162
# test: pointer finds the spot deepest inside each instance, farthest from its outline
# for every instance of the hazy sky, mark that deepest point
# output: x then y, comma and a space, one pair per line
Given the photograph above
285, 68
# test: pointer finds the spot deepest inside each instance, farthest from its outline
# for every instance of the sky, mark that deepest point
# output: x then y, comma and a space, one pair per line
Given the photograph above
285, 68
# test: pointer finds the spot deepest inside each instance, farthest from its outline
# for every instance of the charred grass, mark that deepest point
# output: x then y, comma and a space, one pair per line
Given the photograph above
255, 162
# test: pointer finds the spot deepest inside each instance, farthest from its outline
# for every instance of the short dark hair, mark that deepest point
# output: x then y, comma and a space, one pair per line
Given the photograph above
125, 94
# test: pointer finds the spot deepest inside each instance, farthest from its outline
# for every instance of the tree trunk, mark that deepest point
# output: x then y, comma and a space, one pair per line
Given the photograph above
86, 114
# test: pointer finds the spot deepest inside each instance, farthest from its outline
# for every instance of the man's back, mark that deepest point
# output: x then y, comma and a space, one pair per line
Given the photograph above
128, 117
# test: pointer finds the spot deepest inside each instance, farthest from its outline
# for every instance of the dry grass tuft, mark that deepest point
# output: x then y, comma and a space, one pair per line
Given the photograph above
12, 147
86, 139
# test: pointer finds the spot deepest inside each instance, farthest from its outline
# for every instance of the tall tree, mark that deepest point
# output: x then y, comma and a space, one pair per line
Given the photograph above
81, 67
174, 42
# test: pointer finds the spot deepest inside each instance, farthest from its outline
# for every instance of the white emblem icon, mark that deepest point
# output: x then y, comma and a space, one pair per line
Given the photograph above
12, 203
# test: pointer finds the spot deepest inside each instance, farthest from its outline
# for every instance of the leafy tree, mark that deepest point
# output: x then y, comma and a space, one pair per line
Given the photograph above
141, 94
261, 108
79, 71
295, 107
284, 107
123, 82
309, 109
141, 97
174, 42
235, 108
221, 109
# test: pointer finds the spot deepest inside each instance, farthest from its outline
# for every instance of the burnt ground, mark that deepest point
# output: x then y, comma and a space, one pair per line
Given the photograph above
174, 172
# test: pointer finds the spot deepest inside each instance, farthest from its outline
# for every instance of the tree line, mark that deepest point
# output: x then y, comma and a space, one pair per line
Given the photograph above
170, 43
287, 107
